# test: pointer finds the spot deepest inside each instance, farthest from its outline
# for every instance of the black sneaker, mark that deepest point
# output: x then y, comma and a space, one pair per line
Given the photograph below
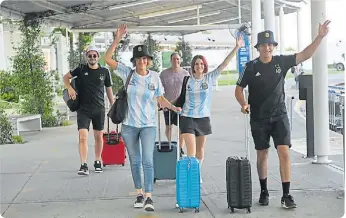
287, 202
84, 170
139, 202
98, 166
264, 198
148, 205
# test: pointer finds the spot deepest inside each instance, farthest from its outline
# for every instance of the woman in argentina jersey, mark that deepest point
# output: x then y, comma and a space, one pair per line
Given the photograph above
143, 90
194, 120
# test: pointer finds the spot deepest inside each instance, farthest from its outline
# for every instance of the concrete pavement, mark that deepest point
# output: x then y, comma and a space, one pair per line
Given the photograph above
39, 178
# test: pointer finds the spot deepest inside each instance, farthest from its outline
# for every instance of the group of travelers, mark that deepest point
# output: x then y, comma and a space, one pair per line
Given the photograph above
264, 76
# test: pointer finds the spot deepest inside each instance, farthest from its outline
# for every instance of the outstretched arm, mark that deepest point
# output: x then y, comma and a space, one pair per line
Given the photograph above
311, 49
239, 44
120, 32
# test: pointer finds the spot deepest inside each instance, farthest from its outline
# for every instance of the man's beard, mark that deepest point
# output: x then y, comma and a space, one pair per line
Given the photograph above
92, 63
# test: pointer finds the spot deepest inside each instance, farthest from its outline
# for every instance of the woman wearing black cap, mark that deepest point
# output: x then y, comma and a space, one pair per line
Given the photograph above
143, 90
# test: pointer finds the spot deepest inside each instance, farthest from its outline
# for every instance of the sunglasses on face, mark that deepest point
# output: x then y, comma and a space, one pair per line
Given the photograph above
92, 56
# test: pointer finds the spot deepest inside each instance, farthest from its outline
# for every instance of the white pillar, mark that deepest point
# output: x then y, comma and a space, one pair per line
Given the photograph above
256, 24
282, 33
62, 55
269, 15
320, 86
52, 58
2, 48
277, 30
300, 31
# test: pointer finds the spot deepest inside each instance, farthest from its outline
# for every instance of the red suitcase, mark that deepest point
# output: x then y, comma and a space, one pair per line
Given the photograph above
114, 151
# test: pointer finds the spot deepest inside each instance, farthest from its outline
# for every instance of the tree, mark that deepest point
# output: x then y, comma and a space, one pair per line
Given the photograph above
185, 50
154, 50
32, 82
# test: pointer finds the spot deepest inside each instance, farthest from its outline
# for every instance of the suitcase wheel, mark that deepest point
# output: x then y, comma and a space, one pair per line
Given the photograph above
104, 165
155, 180
249, 210
197, 210
123, 164
181, 210
232, 210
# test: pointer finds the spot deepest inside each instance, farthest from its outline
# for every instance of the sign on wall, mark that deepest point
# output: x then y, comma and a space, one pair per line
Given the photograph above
243, 55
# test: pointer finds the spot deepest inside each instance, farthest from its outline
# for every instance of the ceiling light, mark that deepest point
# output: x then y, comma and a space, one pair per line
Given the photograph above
170, 11
131, 4
195, 17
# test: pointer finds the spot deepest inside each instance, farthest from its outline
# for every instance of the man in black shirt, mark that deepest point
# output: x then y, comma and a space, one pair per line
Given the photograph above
265, 77
92, 80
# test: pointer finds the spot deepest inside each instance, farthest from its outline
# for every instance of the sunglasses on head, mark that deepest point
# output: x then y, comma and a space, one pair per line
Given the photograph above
92, 56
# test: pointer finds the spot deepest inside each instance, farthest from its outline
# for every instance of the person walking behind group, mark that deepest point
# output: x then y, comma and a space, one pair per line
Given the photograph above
195, 116
139, 126
265, 77
92, 82
172, 80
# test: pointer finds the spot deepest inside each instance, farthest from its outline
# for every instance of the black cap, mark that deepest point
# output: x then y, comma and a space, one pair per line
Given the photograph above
265, 37
140, 51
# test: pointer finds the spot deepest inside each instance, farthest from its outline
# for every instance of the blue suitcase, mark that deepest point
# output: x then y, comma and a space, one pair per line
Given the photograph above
188, 192
166, 155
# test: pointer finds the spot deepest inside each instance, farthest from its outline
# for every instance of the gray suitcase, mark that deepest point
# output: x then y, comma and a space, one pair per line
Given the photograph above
166, 155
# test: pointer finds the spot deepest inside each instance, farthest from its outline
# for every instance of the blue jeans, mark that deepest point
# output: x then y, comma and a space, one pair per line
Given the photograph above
132, 136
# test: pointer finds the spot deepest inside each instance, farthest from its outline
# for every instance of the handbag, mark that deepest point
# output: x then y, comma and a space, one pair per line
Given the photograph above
181, 99
119, 109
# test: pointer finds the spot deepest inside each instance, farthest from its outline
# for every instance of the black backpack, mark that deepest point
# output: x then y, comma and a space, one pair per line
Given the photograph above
73, 105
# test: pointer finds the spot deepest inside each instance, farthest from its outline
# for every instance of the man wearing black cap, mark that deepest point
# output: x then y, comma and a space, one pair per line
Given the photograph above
265, 77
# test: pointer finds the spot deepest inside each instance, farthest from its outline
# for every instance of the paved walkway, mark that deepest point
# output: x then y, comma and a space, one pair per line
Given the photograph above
39, 178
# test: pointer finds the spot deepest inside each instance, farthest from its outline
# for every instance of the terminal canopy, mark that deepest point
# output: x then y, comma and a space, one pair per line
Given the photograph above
145, 16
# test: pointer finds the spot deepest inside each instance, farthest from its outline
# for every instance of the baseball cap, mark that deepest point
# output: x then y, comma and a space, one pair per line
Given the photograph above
92, 48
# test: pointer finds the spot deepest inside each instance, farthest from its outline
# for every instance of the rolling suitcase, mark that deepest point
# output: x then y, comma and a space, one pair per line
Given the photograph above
166, 155
114, 151
188, 187
238, 178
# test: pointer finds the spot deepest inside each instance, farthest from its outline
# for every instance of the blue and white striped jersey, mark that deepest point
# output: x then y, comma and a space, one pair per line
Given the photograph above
142, 93
198, 95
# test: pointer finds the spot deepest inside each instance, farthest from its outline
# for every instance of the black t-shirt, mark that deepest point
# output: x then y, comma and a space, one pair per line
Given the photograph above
266, 86
91, 83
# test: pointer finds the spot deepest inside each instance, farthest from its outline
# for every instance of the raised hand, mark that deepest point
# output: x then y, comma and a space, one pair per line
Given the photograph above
240, 42
121, 31
323, 29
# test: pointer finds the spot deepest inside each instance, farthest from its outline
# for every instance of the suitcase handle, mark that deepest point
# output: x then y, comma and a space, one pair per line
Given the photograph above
160, 147
247, 132
117, 139
164, 148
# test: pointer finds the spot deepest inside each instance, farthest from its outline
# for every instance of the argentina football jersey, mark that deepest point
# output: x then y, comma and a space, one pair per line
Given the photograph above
141, 91
198, 95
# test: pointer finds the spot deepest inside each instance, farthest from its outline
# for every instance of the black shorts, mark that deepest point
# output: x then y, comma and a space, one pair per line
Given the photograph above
278, 129
196, 126
97, 117
173, 118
